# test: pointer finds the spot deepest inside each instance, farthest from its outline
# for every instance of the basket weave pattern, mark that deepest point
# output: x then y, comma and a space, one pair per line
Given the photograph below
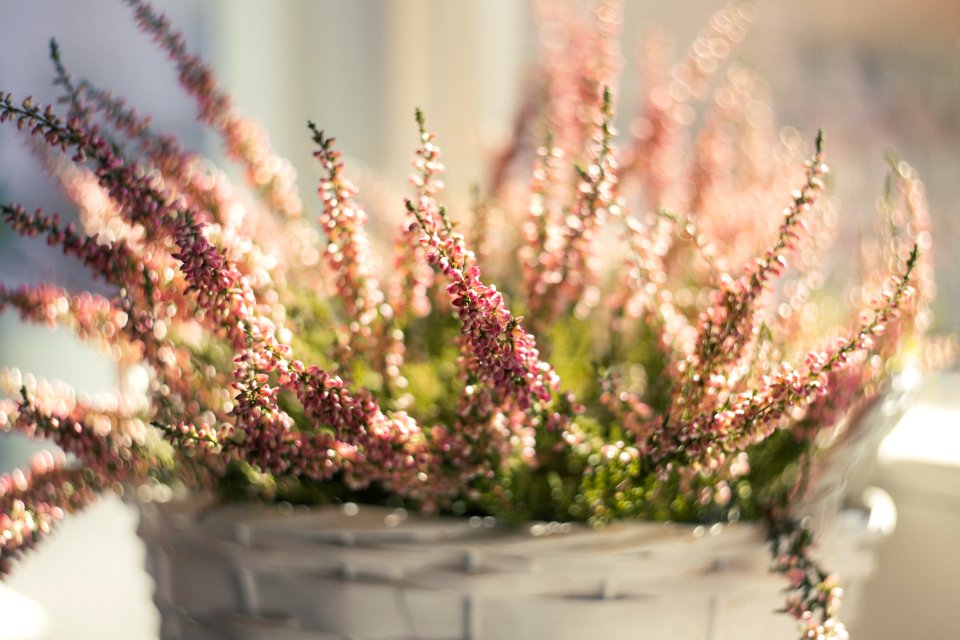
252, 572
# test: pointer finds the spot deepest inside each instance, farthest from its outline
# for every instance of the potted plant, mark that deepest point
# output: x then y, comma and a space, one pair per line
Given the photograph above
655, 354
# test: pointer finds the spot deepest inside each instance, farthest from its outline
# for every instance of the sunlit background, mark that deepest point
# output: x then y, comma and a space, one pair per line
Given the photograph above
877, 76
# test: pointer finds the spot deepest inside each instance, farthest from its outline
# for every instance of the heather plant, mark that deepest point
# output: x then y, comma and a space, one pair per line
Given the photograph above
657, 349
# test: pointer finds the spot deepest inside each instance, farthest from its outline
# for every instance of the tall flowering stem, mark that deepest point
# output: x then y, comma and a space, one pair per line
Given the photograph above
499, 361
121, 330
272, 176
580, 60
219, 287
349, 258
413, 277
655, 155
34, 500
185, 170
225, 296
31, 502
140, 286
503, 354
245, 141
595, 199
364, 443
89, 316
113, 262
107, 443
543, 240
729, 324
543, 212
348, 250
207, 190
814, 595
751, 416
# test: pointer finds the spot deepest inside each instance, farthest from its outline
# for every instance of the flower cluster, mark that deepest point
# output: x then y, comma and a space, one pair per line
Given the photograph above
640, 366
33, 500
814, 595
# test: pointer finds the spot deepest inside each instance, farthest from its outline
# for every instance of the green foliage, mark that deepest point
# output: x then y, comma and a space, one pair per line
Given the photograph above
572, 347
308, 310
431, 367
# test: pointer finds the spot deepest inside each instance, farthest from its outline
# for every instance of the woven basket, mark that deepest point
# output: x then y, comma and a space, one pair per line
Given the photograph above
252, 572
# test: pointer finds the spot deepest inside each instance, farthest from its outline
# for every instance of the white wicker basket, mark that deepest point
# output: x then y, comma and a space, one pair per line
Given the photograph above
265, 572
257, 572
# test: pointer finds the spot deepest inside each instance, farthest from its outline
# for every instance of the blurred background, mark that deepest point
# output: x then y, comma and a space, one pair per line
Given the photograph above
876, 76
